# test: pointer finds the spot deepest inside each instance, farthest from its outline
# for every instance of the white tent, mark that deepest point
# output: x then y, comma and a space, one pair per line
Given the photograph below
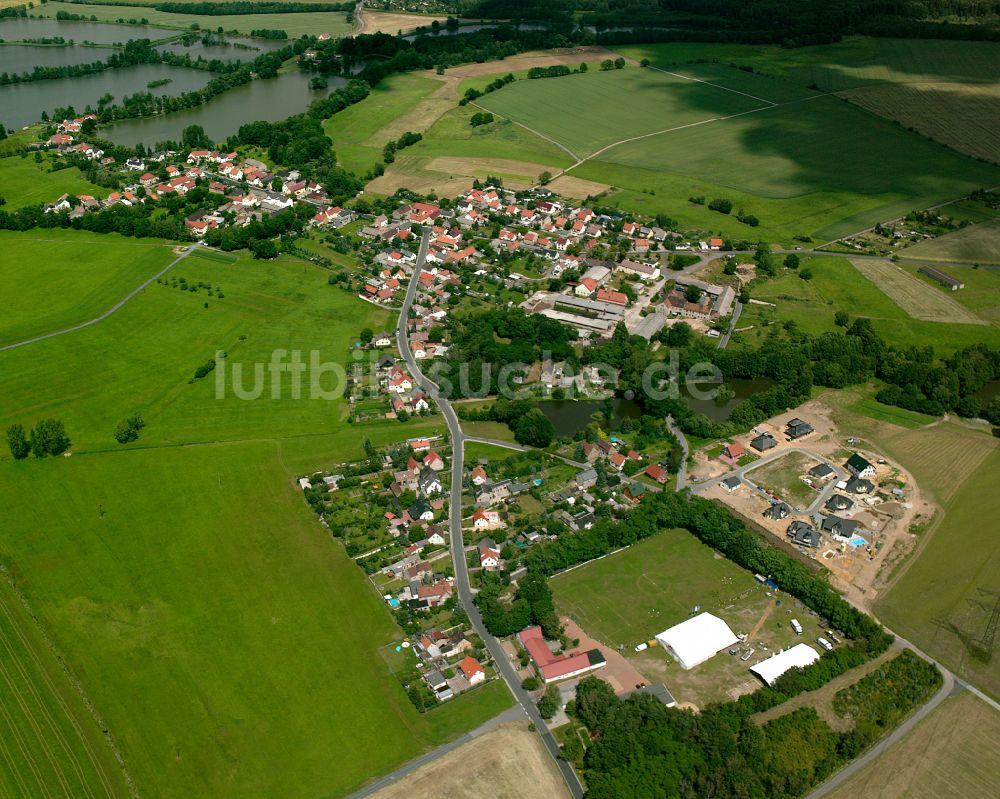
694, 641
771, 669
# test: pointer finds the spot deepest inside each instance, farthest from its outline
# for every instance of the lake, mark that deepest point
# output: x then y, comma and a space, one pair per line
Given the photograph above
19, 28
268, 100
19, 58
570, 416
719, 411
23, 103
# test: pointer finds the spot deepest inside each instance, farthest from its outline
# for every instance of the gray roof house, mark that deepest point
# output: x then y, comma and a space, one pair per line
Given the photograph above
821, 470
804, 534
859, 466
797, 428
837, 526
858, 485
839, 502
764, 442
778, 510
732, 483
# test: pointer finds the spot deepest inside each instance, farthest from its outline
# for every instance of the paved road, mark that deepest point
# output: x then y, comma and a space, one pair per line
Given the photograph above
682, 470
465, 596
737, 310
511, 714
110, 310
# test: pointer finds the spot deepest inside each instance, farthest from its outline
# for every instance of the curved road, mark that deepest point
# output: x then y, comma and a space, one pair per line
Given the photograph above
110, 310
465, 595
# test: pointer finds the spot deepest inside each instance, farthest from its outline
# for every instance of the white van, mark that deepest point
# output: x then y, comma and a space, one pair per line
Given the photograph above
825, 644
796, 626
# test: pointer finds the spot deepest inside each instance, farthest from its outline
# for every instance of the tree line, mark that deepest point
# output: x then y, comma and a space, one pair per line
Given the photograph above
48, 437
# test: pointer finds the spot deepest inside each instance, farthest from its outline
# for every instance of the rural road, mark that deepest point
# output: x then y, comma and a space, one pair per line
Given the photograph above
503, 665
110, 310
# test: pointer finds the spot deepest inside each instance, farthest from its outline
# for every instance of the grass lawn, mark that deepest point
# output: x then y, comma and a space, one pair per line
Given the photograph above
890, 413
474, 451
951, 754
231, 651
294, 24
62, 278
355, 130
23, 183
837, 285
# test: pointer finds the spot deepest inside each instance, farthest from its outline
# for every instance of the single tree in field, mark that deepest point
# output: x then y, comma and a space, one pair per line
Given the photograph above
366, 334
792, 261
18, 442
841, 319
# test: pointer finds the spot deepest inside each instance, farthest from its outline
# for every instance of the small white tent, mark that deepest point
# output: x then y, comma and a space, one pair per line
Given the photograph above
694, 641
771, 669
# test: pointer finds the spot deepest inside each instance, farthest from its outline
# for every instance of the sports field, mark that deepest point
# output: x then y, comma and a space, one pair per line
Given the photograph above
227, 641
62, 278
803, 164
294, 24
630, 596
919, 299
837, 285
951, 754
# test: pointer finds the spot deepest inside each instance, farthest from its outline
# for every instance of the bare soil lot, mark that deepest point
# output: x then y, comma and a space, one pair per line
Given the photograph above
577, 188
918, 299
392, 22
508, 763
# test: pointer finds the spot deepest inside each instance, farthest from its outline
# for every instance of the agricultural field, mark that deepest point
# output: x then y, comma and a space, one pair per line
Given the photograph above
951, 754
24, 182
52, 745
135, 557
973, 244
981, 294
919, 299
837, 285
294, 24
62, 278
392, 22
508, 762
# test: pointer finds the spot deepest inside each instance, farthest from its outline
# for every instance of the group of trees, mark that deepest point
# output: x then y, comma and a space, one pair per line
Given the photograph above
391, 148
48, 437
128, 428
234, 7
532, 604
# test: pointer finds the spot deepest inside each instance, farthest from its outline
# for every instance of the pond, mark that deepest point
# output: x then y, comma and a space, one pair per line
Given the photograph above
222, 116
988, 392
570, 416
717, 410
20, 58
23, 103
20, 28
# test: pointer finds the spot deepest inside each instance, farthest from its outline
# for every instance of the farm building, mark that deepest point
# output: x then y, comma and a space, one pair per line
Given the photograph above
800, 655
947, 281
696, 640
551, 667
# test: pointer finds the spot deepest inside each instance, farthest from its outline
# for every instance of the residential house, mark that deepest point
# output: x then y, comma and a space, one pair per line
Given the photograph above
797, 428
859, 466
838, 502
639, 270
429, 482
858, 485
434, 461
804, 534
821, 471
730, 484
473, 671
734, 450
479, 476
764, 442
487, 520
489, 554
658, 473
777, 511
835, 525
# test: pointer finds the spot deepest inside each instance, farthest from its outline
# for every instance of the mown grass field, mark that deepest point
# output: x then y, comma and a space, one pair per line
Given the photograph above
294, 24
981, 293
61, 278
837, 285
633, 595
919, 299
951, 754
50, 745
23, 183
225, 638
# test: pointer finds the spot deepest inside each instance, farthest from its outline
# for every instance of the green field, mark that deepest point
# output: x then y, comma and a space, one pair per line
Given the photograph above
630, 596
586, 112
981, 293
294, 24
837, 285
62, 278
23, 183
227, 641
352, 129
970, 245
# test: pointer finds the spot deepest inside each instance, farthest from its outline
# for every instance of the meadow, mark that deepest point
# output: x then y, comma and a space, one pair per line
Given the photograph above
24, 182
294, 23
918, 298
973, 244
951, 754
804, 164
228, 642
837, 285
62, 278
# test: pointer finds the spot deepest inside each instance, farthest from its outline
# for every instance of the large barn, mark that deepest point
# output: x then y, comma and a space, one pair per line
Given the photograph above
696, 640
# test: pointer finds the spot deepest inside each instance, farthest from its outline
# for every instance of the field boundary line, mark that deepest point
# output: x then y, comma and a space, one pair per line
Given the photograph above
562, 147
716, 85
110, 310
